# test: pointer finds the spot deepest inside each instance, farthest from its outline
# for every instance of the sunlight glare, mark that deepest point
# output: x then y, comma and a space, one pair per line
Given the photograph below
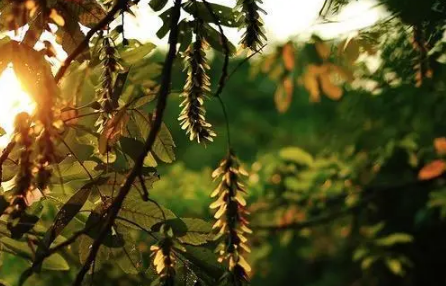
13, 101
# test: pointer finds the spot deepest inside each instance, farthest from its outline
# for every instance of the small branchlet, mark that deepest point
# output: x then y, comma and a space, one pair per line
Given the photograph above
254, 35
163, 257
192, 117
110, 67
231, 218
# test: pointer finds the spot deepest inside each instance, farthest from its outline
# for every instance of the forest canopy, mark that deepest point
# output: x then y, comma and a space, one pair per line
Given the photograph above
311, 161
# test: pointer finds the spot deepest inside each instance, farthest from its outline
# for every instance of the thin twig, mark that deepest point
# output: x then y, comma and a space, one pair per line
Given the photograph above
166, 78
224, 70
245, 60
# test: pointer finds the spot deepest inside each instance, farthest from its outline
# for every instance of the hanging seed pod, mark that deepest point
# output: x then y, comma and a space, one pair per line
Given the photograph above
110, 67
254, 34
192, 117
163, 258
24, 178
232, 225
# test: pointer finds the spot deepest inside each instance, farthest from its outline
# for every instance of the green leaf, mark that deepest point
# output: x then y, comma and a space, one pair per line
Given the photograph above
127, 257
367, 262
214, 39
395, 266
84, 250
203, 262
23, 225
68, 211
360, 253
157, 5
227, 16
185, 35
70, 169
56, 262
198, 232
4, 204
135, 54
21, 248
394, 238
163, 145
165, 17
296, 155
118, 88
146, 214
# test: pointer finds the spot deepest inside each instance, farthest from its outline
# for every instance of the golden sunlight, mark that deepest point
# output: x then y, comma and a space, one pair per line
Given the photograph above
13, 101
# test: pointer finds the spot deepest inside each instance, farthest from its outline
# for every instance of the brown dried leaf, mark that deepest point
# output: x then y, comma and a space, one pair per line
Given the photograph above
331, 90
311, 84
288, 56
284, 94
323, 50
440, 145
432, 170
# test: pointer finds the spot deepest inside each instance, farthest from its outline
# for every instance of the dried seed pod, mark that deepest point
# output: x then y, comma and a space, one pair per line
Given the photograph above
44, 159
24, 178
192, 117
254, 34
163, 258
231, 212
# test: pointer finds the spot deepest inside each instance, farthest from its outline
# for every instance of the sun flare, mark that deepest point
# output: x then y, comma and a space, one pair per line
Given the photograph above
13, 101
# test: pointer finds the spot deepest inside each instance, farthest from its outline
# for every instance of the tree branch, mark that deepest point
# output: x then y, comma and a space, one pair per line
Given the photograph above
160, 107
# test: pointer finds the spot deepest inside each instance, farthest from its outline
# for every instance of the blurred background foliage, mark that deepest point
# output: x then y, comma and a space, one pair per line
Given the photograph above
346, 182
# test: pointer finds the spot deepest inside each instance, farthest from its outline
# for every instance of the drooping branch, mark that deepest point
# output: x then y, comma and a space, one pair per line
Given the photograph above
166, 77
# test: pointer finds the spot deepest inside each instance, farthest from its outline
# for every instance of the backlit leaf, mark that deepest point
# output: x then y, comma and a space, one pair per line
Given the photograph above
297, 155
394, 238
143, 213
198, 231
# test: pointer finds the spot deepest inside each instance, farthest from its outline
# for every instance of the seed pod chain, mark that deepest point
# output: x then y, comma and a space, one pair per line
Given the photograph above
232, 224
